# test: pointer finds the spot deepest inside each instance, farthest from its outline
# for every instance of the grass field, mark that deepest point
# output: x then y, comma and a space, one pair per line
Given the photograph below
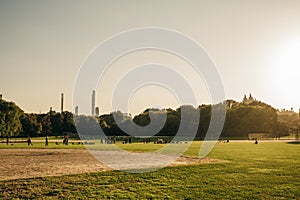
269, 170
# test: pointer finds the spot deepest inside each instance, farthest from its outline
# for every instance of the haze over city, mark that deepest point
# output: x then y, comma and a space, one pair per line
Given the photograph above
254, 45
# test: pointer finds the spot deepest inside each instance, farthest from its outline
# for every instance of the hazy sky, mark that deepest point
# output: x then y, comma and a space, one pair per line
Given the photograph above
255, 45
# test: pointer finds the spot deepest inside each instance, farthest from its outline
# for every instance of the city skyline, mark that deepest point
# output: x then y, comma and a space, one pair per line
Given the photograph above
254, 45
245, 100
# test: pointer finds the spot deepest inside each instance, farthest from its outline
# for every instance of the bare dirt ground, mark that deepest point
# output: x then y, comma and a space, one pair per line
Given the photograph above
28, 163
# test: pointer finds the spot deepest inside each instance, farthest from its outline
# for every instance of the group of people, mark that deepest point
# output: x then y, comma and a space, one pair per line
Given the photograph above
65, 141
146, 140
108, 140
127, 140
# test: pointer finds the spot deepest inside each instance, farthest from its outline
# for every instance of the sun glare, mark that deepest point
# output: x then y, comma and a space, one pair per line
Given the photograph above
285, 74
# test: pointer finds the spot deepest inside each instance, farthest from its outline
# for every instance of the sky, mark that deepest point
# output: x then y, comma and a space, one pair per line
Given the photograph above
254, 45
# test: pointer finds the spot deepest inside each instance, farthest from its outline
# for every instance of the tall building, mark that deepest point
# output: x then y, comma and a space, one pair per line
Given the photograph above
93, 102
97, 111
76, 110
62, 102
0, 96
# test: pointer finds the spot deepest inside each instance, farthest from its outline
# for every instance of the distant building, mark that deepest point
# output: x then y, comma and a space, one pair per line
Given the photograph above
287, 112
248, 100
97, 111
121, 117
93, 102
0, 96
76, 110
62, 103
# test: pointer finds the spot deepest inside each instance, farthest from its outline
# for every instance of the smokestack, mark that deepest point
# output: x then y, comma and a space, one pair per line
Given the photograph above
93, 103
62, 103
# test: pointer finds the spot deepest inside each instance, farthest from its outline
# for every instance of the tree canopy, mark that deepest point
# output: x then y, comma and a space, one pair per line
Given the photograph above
241, 119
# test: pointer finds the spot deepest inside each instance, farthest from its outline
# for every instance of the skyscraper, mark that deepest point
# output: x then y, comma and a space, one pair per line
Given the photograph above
97, 111
62, 102
93, 102
76, 110
0, 96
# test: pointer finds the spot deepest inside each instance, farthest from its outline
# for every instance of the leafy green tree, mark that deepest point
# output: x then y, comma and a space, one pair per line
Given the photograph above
68, 122
87, 126
10, 124
30, 125
256, 117
56, 120
142, 119
45, 121
172, 123
205, 116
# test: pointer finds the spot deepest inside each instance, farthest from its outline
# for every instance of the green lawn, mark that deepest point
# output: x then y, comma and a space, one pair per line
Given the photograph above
41, 145
269, 170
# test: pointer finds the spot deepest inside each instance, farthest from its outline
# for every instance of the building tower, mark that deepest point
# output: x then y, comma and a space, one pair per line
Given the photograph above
251, 99
62, 103
97, 111
76, 110
248, 100
93, 102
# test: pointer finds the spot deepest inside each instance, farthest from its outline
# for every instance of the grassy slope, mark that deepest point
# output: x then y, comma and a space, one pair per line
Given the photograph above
263, 171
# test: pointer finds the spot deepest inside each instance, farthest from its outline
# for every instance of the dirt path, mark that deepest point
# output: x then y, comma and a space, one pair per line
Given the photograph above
27, 163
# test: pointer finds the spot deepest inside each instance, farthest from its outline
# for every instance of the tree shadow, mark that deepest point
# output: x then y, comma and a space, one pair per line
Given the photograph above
294, 142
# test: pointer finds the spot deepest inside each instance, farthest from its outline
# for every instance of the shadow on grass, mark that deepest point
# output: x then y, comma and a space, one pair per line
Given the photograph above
294, 142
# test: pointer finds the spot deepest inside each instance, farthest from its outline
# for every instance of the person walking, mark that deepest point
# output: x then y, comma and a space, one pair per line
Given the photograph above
7, 140
46, 140
29, 141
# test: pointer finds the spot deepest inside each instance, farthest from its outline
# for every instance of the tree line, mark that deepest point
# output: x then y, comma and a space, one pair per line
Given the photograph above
241, 119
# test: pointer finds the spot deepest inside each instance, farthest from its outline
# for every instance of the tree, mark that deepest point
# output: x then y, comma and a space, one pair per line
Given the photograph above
87, 126
45, 121
68, 122
30, 125
10, 114
56, 122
